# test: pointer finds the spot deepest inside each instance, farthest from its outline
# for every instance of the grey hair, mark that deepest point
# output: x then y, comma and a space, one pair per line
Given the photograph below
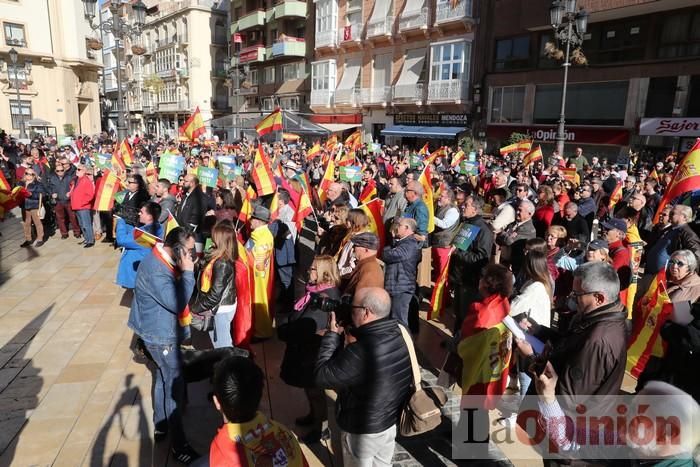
417, 187
599, 277
376, 300
478, 203
530, 205
571, 204
689, 257
409, 222
631, 178
687, 211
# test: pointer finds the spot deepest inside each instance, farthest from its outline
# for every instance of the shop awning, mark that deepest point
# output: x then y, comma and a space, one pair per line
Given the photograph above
338, 127
423, 131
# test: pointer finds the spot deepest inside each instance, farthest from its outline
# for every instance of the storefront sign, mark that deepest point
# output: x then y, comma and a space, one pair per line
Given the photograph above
670, 127
461, 120
581, 135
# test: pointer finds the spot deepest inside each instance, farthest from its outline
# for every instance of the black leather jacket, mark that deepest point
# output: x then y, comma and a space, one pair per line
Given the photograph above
372, 376
222, 275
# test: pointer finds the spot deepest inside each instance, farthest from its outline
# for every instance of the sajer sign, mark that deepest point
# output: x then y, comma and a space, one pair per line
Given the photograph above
670, 127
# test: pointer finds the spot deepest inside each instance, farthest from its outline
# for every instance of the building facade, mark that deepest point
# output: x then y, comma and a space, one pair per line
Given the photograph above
643, 63
60, 86
397, 68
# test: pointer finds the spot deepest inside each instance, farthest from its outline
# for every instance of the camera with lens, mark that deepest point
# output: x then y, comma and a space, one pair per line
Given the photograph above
342, 308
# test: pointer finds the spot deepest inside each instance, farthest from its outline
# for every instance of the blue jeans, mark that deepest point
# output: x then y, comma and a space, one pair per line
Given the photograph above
524, 381
221, 335
400, 303
85, 220
168, 390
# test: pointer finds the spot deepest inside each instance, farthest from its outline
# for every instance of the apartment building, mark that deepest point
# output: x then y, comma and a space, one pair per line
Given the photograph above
56, 73
397, 68
640, 88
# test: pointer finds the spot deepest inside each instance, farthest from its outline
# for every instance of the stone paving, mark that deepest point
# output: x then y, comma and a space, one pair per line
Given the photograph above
71, 393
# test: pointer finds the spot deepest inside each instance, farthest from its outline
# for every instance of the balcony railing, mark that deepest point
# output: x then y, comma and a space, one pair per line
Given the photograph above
379, 95
322, 98
290, 47
173, 106
350, 33
409, 92
327, 38
414, 19
449, 90
254, 19
255, 53
444, 12
148, 108
381, 27
347, 96
290, 9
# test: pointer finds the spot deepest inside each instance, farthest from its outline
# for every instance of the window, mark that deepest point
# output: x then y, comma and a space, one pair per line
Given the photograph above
660, 96
616, 41
450, 61
289, 103
253, 77
513, 53
23, 111
601, 103
269, 75
14, 35
543, 61
326, 15
381, 70
680, 35
323, 75
17, 77
292, 71
507, 104
267, 104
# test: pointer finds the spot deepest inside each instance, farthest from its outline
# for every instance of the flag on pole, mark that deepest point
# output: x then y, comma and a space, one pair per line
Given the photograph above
313, 152
193, 126
440, 152
243, 317
118, 162
4, 184
425, 150
354, 140
151, 173
368, 192
533, 156
107, 187
426, 182
654, 175
262, 174
170, 223
272, 122
328, 178
652, 311
569, 174
246, 210
375, 210
331, 143
520, 146
615, 196
348, 158
436, 300
126, 152
304, 208
275, 207
145, 239
686, 178
457, 158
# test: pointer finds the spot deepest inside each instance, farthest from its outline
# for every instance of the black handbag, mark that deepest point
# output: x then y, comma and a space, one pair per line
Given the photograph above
204, 321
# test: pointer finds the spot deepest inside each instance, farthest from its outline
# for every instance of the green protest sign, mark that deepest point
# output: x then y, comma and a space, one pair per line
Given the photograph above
351, 173
207, 176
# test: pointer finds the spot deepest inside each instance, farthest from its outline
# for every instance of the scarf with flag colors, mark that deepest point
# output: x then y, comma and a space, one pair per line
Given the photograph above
184, 318
486, 345
145, 239
368, 192
438, 296
126, 152
374, 210
262, 174
686, 178
243, 318
533, 156
313, 152
457, 158
426, 182
107, 187
193, 126
261, 245
271, 122
258, 442
651, 311
520, 146
326, 181
615, 196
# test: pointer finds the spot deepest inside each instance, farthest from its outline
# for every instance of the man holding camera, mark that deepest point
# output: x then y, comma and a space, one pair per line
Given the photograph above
372, 376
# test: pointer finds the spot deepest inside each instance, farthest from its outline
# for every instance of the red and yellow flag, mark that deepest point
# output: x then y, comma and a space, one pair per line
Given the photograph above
457, 159
126, 152
654, 175
615, 196
151, 173
375, 210
243, 318
275, 207
533, 156
569, 173
425, 180
354, 140
107, 187
436, 300
4, 184
328, 178
686, 178
368, 192
170, 223
348, 158
246, 210
440, 152
194, 126
118, 162
304, 208
651, 312
425, 150
272, 122
313, 152
145, 239
520, 146
262, 174
10, 200
331, 143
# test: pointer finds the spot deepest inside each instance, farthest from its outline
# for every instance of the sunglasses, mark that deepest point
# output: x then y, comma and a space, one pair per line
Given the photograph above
30, 174
677, 262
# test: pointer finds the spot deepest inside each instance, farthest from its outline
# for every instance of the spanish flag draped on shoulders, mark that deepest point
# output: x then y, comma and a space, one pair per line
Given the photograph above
261, 245
485, 348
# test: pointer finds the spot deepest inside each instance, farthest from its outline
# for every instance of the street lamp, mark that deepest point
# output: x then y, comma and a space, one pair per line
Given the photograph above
569, 28
120, 31
14, 58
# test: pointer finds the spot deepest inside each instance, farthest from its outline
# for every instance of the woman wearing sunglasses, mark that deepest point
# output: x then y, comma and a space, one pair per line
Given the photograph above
682, 276
32, 206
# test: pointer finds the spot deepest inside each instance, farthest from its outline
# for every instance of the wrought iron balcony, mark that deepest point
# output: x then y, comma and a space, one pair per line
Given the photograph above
378, 95
449, 90
409, 93
447, 11
381, 27
322, 98
414, 19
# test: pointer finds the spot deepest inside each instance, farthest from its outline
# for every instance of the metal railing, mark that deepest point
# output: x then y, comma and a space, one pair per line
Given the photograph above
447, 90
322, 97
409, 92
379, 95
349, 33
380, 27
327, 38
445, 11
413, 19
347, 96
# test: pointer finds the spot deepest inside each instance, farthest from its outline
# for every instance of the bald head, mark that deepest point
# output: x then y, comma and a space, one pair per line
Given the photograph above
334, 190
370, 304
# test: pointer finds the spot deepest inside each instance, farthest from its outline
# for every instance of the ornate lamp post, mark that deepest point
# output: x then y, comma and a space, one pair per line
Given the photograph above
569, 28
27, 65
120, 31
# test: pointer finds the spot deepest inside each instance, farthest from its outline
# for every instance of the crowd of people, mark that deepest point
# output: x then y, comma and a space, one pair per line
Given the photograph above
570, 250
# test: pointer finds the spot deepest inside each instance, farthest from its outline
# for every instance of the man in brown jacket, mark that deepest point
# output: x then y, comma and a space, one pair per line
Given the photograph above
368, 272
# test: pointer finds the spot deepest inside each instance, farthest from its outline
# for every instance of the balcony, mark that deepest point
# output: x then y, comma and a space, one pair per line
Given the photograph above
415, 19
148, 109
379, 95
347, 97
409, 93
255, 53
252, 20
381, 27
321, 98
326, 38
448, 90
289, 47
290, 9
352, 33
445, 13
16, 42
180, 106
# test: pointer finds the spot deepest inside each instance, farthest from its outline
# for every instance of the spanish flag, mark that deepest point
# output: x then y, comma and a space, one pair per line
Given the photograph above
151, 173
262, 174
425, 150
533, 156
275, 207
354, 140
194, 126
4, 184
651, 312
520, 146
436, 300
686, 178
107, 187
328, 178
375, 210
615, 196
457, 158
303, 209
126, 152
246, 209
569, 174
348, 158
243, 318
425, 180
368, 192
10, 200
331, 143
170, 223
313, 152
434, 155
273, 122
654, 175
118, 162
145, 239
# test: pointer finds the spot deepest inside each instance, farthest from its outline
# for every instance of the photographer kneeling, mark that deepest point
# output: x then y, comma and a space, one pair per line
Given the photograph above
300, 332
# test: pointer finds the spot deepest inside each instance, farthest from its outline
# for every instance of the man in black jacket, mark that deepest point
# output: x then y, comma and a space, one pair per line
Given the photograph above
401, 268
191, 209
372, 376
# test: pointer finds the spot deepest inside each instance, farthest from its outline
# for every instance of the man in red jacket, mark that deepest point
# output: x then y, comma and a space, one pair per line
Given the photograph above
82, 195
615, 232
